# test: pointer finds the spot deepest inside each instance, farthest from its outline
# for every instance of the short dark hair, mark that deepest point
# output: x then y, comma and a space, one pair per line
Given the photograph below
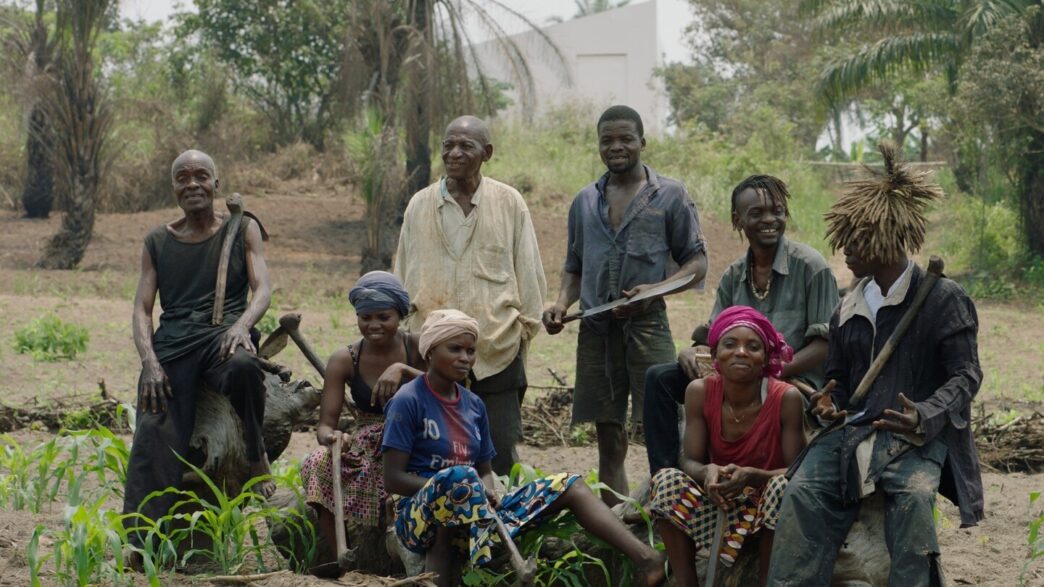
775, 187
620, 112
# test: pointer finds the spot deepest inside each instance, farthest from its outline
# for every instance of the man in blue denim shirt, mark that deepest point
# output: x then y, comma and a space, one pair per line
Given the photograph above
625, 230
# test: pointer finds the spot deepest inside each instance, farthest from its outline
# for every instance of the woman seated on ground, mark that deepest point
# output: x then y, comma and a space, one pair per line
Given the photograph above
437, 453
742, 430
373, 368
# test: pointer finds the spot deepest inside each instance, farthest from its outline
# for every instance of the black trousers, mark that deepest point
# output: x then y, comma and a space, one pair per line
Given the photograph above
159, 438
502, 393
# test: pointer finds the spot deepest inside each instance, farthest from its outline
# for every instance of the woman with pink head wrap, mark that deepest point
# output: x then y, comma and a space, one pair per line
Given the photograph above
743, 428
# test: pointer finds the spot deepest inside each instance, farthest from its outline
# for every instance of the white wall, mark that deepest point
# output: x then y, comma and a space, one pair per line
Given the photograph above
609, 58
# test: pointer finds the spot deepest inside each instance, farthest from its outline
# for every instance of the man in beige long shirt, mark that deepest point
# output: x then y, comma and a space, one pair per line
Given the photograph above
468, 243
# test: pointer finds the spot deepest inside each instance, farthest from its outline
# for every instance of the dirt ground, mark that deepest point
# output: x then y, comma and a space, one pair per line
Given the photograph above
317, 233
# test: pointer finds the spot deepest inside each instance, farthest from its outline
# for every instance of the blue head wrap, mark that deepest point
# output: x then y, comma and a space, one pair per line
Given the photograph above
379, 290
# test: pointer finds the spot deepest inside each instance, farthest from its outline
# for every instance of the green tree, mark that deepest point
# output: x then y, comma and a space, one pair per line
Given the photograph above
897, 40
1000, 106
285, 54
82, 122
750, 55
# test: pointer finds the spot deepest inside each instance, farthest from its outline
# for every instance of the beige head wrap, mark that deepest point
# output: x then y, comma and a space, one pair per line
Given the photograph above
443, 325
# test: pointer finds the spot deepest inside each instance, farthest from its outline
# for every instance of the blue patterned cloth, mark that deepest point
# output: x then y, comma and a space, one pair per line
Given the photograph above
455, 497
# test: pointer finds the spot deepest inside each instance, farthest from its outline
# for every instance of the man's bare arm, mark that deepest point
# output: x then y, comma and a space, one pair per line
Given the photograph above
568, 294
154, 389
808, 358
260, 293
696, 266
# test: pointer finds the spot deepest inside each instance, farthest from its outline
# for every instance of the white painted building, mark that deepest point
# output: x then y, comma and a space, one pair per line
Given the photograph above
607, 58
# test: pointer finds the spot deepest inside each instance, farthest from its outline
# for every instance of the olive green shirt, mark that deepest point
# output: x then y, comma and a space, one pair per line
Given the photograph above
800, 301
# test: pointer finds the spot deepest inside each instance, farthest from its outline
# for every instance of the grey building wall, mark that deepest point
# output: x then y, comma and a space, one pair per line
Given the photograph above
606, 58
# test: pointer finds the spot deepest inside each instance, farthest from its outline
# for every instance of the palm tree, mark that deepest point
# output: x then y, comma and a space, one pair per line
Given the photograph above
82, 123
417, 63
904, 37
915, 37
31, 51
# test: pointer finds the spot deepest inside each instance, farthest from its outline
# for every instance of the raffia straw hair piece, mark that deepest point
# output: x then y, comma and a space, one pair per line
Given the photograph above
883, 215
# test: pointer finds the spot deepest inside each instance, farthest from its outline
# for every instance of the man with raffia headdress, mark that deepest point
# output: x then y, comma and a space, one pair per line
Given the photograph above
909, 436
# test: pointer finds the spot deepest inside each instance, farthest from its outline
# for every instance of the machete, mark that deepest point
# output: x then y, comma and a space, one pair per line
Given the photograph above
660, 290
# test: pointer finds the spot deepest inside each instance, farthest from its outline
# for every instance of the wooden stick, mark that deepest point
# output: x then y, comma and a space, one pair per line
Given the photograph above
335, 469
235, 206
935, 268
244, 579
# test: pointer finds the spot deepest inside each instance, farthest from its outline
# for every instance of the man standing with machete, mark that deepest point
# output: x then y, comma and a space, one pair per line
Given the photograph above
624, 231
903, 368
203, 266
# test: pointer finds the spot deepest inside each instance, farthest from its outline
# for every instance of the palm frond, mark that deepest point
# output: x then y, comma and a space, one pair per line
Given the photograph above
981, 16
883, 60
886, 15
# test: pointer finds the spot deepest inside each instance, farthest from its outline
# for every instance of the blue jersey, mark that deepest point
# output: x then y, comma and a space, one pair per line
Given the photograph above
435, 432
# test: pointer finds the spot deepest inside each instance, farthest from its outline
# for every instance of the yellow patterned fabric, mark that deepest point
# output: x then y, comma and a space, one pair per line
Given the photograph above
455, 497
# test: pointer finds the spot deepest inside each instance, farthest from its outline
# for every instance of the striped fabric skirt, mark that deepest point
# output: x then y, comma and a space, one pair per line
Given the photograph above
455, 497
677, 498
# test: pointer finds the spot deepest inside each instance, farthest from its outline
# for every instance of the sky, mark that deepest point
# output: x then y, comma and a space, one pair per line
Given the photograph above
673, 17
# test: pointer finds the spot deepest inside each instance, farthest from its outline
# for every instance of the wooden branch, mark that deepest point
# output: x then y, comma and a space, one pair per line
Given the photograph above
244, 579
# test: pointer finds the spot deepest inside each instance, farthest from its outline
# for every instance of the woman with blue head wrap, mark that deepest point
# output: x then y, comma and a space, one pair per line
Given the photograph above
373, 369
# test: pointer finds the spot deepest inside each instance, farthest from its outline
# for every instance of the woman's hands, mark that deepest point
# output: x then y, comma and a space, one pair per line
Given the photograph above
387, 384
722, 484
326, 436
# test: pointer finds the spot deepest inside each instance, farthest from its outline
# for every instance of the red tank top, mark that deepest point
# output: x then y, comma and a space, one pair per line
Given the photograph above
761, 446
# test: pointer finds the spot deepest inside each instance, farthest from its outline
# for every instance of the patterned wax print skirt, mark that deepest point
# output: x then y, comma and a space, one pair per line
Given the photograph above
455, 496
677, 498
362, 473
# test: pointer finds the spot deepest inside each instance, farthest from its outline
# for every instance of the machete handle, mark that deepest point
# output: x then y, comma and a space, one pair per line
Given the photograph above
571, 317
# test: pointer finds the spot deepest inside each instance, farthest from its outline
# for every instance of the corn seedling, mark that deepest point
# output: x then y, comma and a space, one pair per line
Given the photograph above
1035, 539
90, 547
229, 524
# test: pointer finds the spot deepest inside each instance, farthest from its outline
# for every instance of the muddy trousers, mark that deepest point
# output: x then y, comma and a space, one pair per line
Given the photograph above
159, 438
814, 522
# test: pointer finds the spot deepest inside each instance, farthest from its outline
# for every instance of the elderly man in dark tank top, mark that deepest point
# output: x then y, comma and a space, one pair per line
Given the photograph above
180, 263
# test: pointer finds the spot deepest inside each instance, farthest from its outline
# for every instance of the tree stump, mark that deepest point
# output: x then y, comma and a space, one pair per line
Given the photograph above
217, 442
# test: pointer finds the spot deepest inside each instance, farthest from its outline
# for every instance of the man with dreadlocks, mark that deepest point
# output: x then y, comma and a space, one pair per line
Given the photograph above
909, 436
787, 281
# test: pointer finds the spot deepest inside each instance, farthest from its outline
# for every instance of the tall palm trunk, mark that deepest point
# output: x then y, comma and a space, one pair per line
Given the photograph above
38, 192
37, 48
417, 123
1032, 193
82, 122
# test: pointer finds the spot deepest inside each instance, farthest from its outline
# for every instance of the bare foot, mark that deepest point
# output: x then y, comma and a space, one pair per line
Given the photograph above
651, 572
267, 487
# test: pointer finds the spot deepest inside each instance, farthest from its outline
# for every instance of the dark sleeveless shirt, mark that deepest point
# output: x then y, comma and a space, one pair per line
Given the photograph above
362, 393
187, 277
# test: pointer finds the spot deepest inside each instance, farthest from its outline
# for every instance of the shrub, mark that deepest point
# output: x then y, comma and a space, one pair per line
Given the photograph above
50, 339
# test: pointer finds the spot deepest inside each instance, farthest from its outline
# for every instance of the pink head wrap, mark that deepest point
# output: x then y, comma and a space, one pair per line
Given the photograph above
443, 325
777, 351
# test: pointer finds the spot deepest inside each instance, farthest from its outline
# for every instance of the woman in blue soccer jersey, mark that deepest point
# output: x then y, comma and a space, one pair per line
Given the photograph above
437, 453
